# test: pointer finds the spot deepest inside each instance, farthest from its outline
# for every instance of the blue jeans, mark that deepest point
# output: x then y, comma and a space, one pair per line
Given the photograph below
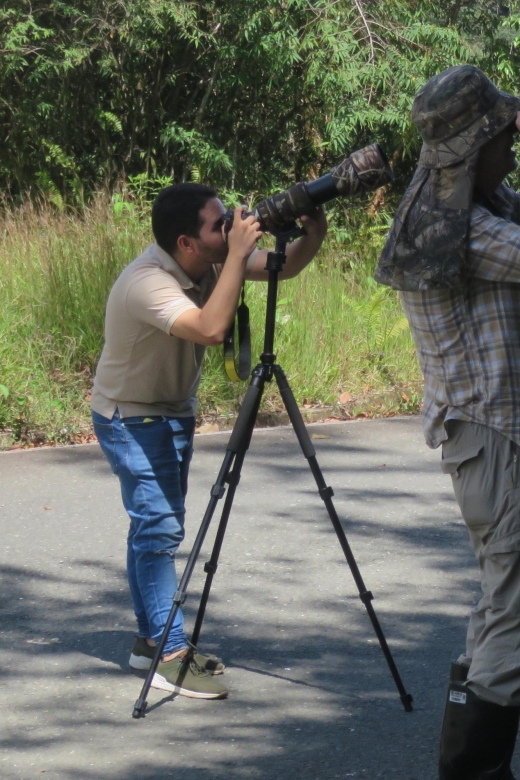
152, 460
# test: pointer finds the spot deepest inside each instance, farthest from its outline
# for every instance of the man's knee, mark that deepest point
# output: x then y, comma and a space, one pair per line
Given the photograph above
159, 540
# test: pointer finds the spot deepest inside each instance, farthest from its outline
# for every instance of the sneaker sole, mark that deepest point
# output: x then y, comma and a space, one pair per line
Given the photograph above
142, 663
162, 684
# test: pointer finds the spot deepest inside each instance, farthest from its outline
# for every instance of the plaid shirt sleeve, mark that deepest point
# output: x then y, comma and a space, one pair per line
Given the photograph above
494, 248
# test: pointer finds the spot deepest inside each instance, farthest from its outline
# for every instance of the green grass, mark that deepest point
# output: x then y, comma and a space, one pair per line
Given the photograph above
337, 331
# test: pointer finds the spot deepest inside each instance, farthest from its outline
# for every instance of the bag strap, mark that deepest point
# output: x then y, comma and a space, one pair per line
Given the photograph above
241, 372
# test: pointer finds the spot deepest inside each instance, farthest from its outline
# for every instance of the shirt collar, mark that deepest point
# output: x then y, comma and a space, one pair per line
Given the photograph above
172, 267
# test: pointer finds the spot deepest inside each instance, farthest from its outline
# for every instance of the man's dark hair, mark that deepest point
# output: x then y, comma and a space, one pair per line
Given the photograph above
176, 212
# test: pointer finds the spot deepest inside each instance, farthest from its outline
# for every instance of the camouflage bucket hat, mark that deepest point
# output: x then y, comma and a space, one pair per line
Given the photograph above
456, 112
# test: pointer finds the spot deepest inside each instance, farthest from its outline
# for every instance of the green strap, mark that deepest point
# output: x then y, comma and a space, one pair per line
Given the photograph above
241, 372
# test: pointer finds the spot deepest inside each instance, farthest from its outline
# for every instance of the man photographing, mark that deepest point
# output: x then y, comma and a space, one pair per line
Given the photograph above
180, 295
454, 252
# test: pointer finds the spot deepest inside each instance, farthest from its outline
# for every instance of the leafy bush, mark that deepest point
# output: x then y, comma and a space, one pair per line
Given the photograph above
250, 94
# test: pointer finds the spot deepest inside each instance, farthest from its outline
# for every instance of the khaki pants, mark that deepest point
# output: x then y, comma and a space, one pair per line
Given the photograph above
484, 466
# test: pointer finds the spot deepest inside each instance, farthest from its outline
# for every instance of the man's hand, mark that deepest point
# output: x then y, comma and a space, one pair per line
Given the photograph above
315, 224
243, 235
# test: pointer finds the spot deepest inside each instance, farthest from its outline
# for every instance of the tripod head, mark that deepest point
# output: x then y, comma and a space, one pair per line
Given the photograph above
283, 237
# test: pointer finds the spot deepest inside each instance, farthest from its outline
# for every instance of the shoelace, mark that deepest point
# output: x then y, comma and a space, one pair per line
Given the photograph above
195, 667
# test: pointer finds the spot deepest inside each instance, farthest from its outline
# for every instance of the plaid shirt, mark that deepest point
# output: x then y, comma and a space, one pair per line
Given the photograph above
468, 340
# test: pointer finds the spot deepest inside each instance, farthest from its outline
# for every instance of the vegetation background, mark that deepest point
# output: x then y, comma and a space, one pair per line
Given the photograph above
104, 102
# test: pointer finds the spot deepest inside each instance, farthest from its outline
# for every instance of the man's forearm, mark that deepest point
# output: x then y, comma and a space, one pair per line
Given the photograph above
219, 310
299, 255
208, 325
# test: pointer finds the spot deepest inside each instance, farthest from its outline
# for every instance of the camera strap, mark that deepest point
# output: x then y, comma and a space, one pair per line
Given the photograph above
241, 321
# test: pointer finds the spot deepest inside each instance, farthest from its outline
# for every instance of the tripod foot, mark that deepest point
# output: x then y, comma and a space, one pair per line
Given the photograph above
139, 709
407, 700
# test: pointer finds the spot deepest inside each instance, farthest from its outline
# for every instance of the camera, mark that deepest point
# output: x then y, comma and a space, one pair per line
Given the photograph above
363, 171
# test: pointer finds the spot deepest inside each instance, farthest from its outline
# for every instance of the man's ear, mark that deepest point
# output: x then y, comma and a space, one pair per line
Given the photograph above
185, 244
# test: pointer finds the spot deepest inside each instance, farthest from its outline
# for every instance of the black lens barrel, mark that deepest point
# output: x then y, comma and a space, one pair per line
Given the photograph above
322, 190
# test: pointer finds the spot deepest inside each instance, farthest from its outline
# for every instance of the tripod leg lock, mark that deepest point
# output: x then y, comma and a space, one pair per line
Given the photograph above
366, 597
231, 476
217, 491
210, 568
326, 492
179, 597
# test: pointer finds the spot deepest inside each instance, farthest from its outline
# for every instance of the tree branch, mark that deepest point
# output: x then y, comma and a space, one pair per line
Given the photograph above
454, 12
205, 97
358, 5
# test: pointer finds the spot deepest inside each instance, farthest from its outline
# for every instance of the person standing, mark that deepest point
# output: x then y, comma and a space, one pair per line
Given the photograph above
176, 298
453, 252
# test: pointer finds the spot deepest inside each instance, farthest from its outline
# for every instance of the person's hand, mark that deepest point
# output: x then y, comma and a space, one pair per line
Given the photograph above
243, 235
315, 223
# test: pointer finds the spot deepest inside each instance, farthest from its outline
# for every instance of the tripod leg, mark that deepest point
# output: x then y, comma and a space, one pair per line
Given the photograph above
326, 494
238, 445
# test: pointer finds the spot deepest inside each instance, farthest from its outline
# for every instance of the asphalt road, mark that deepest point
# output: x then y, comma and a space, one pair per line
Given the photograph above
311, 694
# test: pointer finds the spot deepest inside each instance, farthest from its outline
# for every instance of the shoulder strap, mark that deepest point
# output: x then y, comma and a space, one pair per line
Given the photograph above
234, 373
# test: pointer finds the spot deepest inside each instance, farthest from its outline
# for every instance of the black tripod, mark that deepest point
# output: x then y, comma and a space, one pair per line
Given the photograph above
230, 473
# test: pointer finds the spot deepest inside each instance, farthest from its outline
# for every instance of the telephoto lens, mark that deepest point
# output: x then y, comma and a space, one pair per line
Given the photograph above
365, 170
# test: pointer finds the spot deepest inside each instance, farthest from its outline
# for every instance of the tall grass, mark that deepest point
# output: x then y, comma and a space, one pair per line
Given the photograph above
56, 270
338, 333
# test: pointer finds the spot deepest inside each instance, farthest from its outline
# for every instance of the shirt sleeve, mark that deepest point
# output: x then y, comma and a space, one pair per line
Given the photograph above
157, 299
494, 248
507, 202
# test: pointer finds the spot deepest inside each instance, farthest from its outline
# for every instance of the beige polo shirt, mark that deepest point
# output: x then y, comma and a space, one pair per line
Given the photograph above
143, 370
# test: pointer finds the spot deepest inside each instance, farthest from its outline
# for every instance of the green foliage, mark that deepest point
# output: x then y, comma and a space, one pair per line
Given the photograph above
335, 332
250, 94
379, 328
